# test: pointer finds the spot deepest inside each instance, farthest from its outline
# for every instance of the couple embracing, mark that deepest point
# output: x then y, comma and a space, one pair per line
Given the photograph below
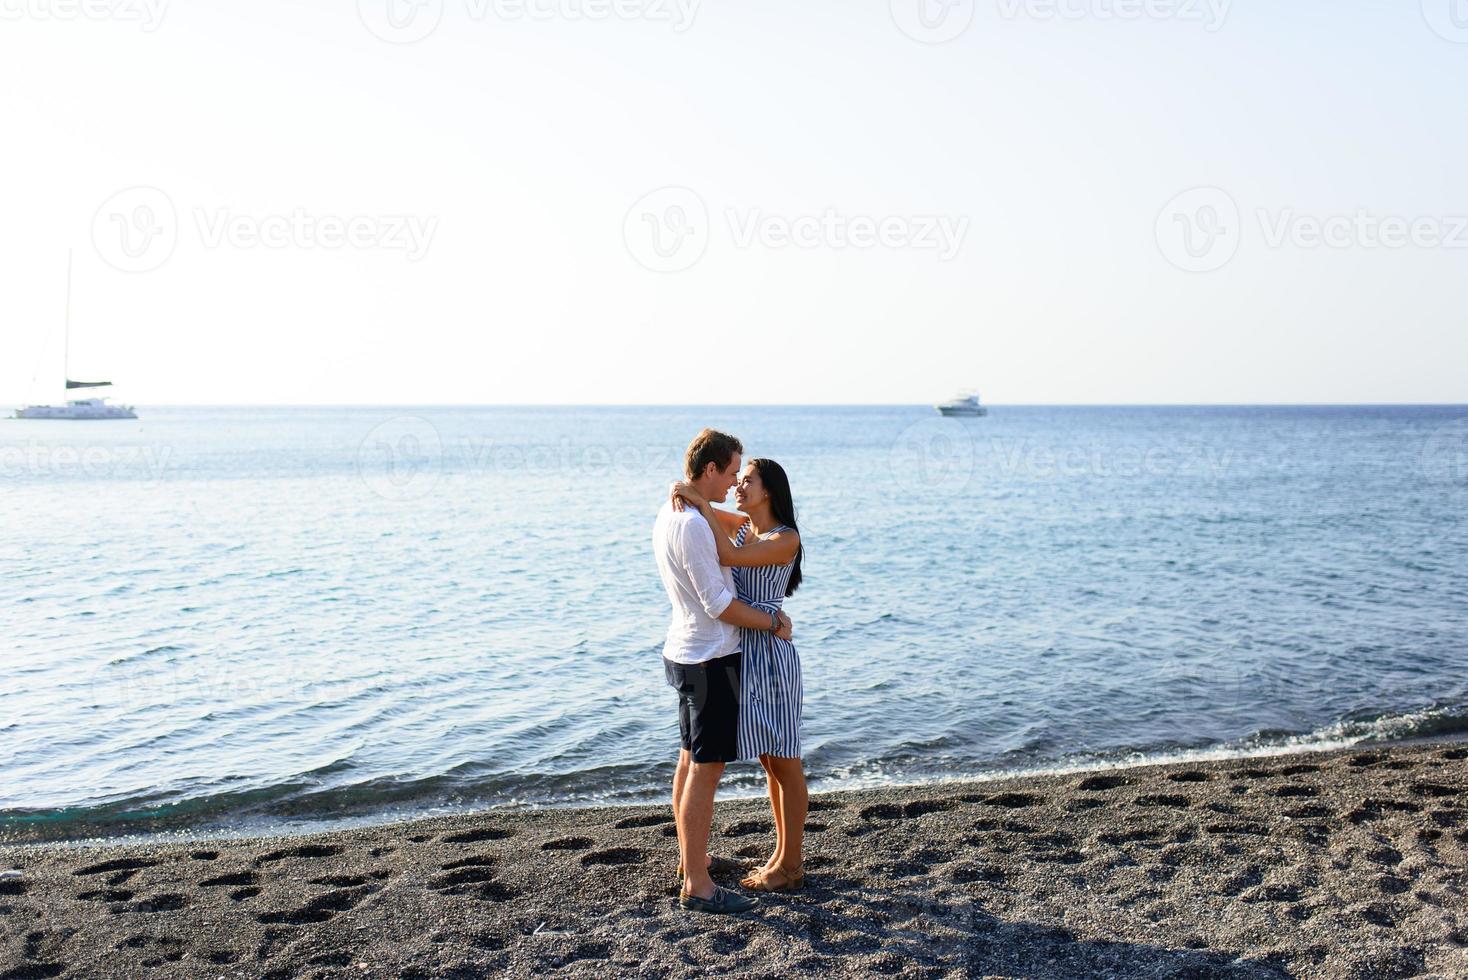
728, 655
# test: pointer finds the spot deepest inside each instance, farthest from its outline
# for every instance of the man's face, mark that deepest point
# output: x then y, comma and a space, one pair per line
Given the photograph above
724, 480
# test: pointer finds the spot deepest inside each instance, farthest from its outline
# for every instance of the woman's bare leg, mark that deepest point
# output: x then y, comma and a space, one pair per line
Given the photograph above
794, 805
777, 810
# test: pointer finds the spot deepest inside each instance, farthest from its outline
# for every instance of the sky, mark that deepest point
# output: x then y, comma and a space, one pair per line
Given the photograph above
674, 201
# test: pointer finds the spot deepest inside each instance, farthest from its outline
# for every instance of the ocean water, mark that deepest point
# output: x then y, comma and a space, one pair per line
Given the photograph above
229, 619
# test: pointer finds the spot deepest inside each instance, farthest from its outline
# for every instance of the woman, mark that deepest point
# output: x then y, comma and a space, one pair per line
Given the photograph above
762, 546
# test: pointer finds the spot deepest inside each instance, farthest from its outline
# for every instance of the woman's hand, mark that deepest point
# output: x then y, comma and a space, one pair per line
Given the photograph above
683, 492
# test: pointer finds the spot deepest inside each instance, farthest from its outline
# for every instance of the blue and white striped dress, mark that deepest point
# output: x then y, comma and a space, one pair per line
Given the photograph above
769, 679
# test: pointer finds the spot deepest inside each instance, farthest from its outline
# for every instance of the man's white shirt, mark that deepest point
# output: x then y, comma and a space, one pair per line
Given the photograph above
698, 587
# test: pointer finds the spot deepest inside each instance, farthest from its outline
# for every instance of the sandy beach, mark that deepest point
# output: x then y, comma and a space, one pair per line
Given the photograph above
1352, 863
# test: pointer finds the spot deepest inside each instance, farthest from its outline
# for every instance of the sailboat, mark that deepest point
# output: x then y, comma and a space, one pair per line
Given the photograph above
83, 408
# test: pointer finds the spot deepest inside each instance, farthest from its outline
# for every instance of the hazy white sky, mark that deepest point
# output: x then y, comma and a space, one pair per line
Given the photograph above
678, 201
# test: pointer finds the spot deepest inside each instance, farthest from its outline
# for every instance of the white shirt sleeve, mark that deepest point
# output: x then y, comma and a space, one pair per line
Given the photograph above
701, 558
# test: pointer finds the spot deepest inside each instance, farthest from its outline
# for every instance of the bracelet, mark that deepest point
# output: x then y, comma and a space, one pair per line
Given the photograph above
774, 621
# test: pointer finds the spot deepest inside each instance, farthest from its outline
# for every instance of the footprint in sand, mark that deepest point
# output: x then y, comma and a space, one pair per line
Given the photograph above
567, 844
121, 864
1436, 790
1097, 784
1164, 799
106, 895
614, 856
472, 875
1189, 775
646, 820
237, 878
1014, 801
477, 835
304, 851
319, 909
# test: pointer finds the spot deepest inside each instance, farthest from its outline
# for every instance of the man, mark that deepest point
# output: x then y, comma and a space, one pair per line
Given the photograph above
701, 660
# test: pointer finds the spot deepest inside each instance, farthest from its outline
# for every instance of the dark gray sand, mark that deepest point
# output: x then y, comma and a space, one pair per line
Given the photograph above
1342, 864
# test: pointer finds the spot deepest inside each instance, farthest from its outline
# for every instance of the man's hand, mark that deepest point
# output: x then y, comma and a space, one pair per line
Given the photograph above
784, 631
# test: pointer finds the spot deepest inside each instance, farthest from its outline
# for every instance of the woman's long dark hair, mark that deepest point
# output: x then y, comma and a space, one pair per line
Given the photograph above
777, 485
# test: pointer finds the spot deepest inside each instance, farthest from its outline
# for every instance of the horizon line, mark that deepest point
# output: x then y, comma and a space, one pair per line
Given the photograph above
927, 405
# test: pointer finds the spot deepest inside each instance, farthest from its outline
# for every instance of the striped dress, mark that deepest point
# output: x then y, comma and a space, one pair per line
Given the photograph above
769, 680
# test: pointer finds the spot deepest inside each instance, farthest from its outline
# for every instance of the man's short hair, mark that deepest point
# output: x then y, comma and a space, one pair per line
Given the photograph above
710, 446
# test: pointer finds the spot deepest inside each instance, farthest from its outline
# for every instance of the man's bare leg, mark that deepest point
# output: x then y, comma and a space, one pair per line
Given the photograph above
695, 816
680, 786
680, 782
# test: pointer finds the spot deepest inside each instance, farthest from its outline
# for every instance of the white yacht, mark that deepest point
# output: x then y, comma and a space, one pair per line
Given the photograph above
82, 408
963, 406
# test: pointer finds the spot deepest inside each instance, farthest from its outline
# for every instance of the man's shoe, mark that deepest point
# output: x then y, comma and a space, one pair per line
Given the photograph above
722, 902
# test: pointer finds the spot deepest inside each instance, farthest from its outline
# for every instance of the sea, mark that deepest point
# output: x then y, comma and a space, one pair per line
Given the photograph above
224, 621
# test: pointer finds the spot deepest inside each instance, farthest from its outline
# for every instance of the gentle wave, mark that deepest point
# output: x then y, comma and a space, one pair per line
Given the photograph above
290, 808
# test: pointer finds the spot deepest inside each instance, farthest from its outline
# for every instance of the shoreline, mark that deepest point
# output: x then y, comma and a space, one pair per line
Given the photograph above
1350, 862
274, 827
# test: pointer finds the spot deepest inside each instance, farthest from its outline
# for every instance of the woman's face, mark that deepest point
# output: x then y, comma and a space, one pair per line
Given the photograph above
749, 491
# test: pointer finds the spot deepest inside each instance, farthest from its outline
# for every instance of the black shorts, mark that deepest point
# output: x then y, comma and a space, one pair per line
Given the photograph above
708, 706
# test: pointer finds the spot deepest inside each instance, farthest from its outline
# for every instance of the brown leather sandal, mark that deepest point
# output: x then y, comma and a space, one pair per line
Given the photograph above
757, 875
794, 879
